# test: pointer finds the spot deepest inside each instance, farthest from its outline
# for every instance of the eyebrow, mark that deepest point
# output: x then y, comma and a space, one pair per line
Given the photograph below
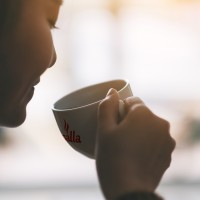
58, 2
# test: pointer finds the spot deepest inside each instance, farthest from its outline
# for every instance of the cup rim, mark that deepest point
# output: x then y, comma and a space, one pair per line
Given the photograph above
84, 88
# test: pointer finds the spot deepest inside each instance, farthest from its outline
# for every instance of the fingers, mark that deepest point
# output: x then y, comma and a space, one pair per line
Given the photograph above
132, 101
108, 111
170, 146
173, 144
165, 129
158, 127
166, 144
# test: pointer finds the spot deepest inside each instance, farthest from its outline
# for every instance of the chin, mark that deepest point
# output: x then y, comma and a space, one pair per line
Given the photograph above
16, 123
14, 120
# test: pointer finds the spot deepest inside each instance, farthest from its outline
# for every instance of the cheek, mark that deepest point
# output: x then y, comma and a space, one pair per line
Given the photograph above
28, 54
37, 50
30, 47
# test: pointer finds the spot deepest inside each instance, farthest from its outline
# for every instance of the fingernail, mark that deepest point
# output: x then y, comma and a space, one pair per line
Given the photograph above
111, 92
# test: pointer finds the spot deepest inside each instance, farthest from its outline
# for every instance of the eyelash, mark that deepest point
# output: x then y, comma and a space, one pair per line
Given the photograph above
52, 25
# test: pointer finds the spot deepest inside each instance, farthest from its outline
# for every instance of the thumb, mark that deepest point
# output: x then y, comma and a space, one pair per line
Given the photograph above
108, 111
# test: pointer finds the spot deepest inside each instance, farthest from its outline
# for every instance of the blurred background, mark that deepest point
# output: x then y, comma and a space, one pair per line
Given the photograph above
155, 44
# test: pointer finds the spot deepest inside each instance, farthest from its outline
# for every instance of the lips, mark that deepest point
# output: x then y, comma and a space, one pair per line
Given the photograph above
31, 91
30, 94
36, 82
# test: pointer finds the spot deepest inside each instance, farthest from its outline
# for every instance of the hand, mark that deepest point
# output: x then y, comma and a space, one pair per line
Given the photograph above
133, 154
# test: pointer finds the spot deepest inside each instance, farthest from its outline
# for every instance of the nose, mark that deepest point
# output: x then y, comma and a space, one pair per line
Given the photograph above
53, 58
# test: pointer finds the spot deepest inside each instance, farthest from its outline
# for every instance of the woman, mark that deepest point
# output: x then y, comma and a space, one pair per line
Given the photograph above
131, 156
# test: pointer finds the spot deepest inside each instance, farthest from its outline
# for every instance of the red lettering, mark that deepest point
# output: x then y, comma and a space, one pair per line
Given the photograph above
70, 135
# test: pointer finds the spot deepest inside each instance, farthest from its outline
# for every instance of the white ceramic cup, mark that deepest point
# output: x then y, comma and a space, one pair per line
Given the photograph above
76, 113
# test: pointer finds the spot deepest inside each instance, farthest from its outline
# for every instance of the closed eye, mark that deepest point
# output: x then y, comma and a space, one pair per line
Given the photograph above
52, 24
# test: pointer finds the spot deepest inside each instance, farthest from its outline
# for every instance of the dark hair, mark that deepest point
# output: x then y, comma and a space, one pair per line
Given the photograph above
9, 15
3, 8
9, 12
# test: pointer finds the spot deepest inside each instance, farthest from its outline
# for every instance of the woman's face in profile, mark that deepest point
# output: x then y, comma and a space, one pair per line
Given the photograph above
27, 52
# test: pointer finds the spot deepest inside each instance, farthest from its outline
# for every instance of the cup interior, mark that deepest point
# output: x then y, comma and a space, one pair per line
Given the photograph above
88, 95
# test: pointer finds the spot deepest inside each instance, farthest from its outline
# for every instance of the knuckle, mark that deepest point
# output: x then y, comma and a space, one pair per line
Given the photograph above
170, 145
173, 144
135, 99
163, 125
168, 162
140, 109
140, 112
132, 101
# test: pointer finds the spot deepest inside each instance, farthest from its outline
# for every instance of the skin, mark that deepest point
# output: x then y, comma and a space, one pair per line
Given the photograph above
27, 54
131, 155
